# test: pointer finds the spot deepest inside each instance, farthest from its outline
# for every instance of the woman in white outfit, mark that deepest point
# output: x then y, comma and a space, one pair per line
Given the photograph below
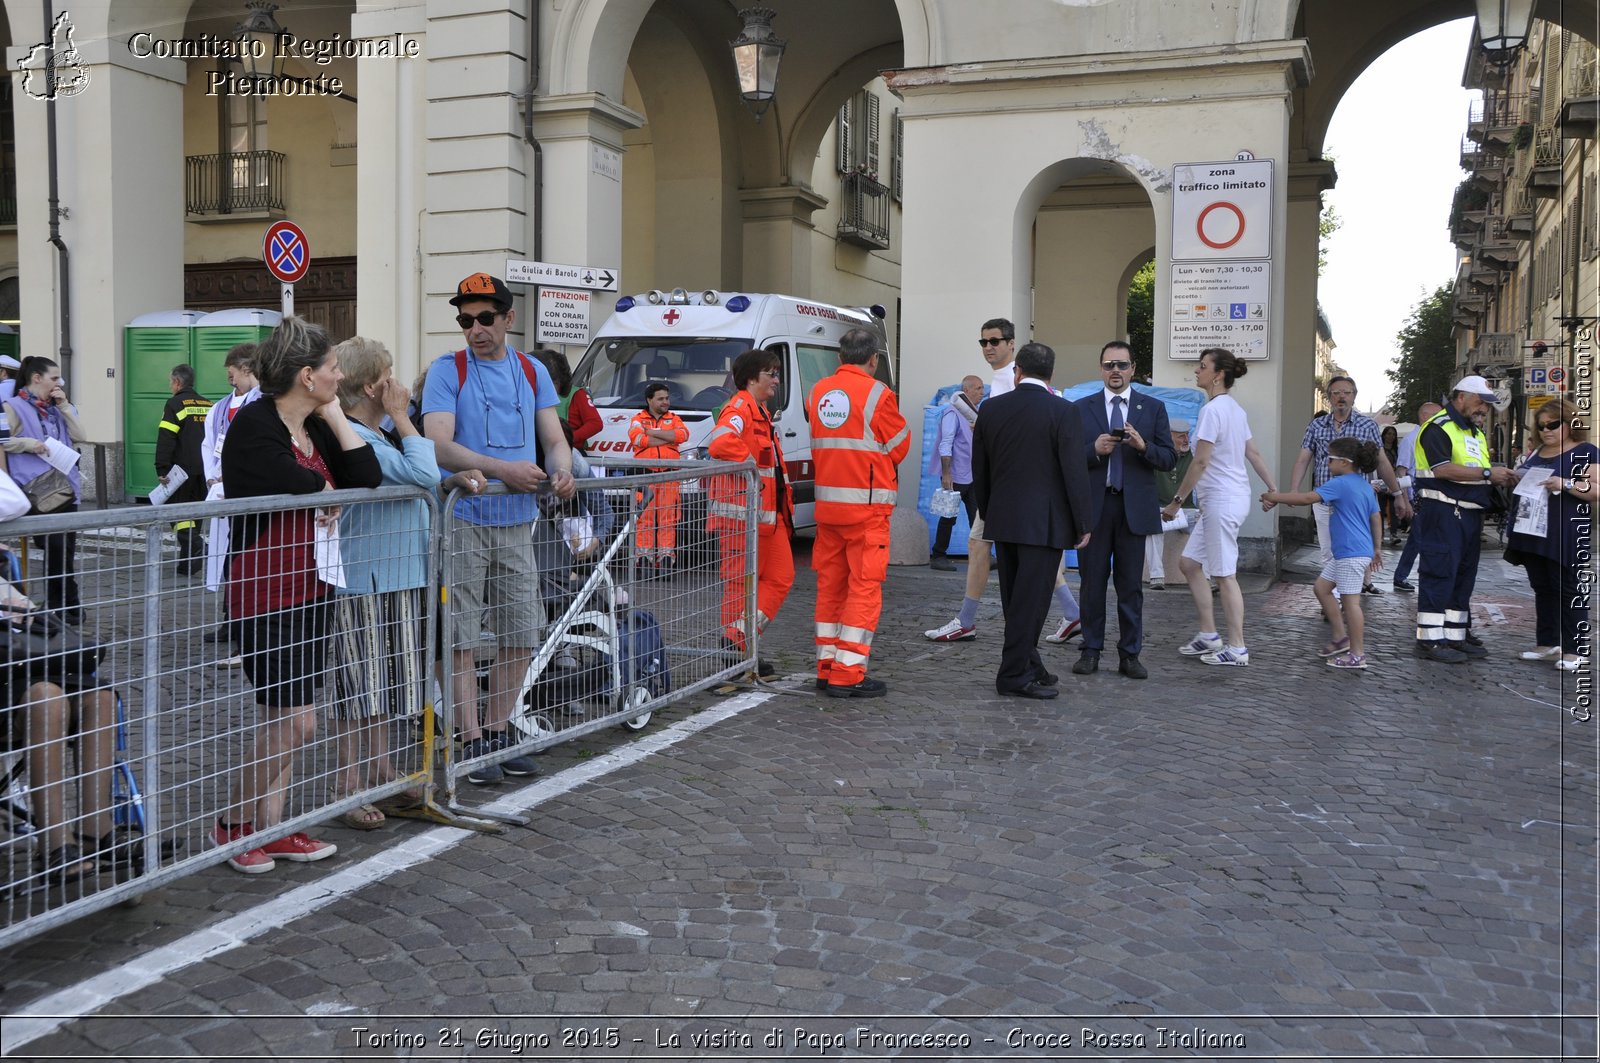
241, 369
1221, 482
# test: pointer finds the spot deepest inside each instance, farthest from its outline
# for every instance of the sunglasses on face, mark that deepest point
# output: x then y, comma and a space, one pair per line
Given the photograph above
482, 317
1550, 426
1122, 366
987, 342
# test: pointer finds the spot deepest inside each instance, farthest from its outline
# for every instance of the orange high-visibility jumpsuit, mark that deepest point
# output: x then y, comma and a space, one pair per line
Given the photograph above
744, 432
658, 521
858, 437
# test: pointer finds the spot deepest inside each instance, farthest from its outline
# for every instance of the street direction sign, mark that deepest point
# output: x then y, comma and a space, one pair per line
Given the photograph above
286, 251
595, 278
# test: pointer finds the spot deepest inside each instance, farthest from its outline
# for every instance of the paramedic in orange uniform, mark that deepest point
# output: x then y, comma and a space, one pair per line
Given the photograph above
744, 432
857, 439
657, 433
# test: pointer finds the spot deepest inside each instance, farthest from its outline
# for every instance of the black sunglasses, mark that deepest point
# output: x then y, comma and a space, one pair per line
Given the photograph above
1550, 426
1116, 365
987, 342
482, 317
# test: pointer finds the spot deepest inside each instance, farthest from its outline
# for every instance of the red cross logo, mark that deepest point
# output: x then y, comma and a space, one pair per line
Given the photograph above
671, 317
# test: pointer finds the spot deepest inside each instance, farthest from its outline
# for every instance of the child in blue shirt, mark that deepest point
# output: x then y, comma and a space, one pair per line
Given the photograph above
1357, 533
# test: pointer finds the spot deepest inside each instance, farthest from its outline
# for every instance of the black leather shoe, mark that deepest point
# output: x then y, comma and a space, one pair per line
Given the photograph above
1404, 585
867, 688
1047, 679
1439, 651
1131, 668
1087, 664
765, 668
1037, 691
942, 564
1475, 650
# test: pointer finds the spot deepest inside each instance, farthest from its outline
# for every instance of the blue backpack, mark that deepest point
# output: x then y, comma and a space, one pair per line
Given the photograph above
644, 655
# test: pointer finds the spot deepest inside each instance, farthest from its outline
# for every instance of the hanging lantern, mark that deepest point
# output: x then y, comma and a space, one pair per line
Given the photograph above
756, 55
1503, 28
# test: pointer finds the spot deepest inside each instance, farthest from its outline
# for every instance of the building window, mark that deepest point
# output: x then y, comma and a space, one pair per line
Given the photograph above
8, 156
858, 134
244, 122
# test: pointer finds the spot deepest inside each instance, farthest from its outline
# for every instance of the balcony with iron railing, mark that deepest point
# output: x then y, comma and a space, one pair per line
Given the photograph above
1494, 119
1486, 165
1540, 168
1580, 102
864, 211
1517, 212
230, 185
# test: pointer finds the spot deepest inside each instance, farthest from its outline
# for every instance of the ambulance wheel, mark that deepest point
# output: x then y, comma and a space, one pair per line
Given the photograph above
636, 695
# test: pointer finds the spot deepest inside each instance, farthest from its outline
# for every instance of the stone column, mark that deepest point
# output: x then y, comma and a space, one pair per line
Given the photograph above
581, 136
122, 224
777, 238
390, 153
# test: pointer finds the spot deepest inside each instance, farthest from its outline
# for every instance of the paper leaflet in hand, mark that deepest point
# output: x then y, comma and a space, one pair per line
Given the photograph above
175, 479
62, 457
1533, 503
330, 565
1179, 521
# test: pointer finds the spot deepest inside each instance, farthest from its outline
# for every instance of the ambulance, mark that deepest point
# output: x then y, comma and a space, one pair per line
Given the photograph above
688, 341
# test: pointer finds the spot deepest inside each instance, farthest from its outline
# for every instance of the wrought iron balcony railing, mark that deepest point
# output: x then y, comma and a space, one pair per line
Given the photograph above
235, 183
864, 211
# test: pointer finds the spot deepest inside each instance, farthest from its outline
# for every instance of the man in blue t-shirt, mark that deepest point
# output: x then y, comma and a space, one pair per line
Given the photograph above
493, 408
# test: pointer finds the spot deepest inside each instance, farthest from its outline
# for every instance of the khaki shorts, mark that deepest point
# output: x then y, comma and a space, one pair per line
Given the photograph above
494, 585
975, 535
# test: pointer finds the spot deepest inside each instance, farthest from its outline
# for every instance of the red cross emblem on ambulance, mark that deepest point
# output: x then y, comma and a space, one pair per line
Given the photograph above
670, 317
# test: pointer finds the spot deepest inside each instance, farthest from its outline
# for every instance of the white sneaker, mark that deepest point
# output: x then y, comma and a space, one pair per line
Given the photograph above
1069, 629
1571, 663
952, 632
1199, 647
1226, 656
1541, 653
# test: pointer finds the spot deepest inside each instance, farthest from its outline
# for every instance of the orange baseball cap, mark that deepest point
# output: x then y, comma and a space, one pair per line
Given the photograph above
483, 286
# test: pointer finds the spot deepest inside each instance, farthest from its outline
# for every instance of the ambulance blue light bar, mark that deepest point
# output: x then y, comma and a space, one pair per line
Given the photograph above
738, 304
625, 304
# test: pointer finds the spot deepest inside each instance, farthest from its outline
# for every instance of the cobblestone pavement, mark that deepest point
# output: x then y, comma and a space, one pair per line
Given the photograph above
1276, 860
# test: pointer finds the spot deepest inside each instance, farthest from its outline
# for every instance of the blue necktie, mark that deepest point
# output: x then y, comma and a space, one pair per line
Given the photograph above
1114, 463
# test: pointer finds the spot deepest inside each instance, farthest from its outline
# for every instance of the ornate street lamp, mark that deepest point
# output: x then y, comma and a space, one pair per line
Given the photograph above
262, 42
756, 55
1503, 28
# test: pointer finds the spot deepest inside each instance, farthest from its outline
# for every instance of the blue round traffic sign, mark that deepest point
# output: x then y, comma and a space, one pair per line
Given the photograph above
286, 251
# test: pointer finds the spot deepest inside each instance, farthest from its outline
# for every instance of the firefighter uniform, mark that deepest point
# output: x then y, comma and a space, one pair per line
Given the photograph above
179, 438
658, 521
858, 437
1448, 529
744, 432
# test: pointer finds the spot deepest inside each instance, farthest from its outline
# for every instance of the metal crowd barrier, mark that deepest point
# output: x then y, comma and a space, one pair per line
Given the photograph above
609, 637
133, 750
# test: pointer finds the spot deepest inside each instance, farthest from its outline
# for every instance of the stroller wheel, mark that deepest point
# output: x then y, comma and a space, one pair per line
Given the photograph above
635, 696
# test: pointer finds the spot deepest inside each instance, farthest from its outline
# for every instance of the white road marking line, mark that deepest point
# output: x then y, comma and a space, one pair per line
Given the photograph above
48, 1014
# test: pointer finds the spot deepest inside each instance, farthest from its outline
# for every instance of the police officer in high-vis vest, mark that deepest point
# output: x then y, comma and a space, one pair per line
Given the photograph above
1454, 484
858, 437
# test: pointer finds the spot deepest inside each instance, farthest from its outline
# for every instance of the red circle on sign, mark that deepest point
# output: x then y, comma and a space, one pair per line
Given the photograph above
286, 251
1200, 226
1556, 374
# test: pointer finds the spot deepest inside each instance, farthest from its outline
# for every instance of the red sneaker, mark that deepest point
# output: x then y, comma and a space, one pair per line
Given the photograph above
300, 848
249, 862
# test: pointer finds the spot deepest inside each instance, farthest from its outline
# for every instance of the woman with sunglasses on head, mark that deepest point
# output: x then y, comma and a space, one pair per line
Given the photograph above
1548, 543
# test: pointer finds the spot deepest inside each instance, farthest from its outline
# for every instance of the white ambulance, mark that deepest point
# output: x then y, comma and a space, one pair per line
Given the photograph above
689, 340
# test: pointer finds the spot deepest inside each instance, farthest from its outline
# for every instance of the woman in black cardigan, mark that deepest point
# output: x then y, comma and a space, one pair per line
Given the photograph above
296, 441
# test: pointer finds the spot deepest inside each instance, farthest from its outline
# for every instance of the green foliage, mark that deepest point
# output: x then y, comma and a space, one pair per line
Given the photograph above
1328, 223
1141, 319
1427, 360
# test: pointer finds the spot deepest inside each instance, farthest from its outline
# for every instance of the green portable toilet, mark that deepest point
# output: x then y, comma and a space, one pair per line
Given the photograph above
218, 333
151, 345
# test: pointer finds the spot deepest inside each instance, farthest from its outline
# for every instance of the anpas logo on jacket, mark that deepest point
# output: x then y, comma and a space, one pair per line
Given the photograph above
834, 408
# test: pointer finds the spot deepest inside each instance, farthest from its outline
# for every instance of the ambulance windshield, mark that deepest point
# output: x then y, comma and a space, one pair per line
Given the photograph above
697, 371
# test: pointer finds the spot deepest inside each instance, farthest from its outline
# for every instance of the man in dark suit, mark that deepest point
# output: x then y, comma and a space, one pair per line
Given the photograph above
1128, 440
1032, 488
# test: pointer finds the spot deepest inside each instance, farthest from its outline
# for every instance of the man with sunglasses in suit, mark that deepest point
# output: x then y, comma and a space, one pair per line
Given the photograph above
1127, 439
491, 407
